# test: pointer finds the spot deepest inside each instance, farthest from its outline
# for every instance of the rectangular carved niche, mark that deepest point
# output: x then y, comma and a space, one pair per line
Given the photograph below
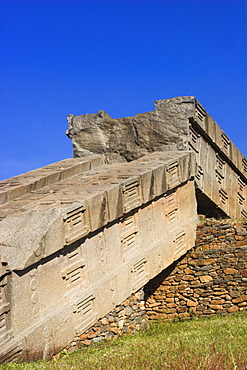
131, 195
220, 170
170, 201
139, 274
76, 225
241, 186
129, 230
194, 140
172, 174
199, 174
244, 161
244, 213
223, 196
225, 146
12, 354
200, 113
84, 310
73, 270
171, 208
179, 242
73, 273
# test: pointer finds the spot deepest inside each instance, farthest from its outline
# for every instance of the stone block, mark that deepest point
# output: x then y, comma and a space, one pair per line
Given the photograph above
124, 283
107, 300
231, 271
94, 251
85, 308
233, 309
42, 348
113, 248
139, 272
132, 195
205, 279
77, 223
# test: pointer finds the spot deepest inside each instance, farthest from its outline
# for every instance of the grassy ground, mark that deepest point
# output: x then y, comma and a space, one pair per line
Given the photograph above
218, 343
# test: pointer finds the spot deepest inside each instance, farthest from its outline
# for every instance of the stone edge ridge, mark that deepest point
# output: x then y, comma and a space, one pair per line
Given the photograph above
17, 186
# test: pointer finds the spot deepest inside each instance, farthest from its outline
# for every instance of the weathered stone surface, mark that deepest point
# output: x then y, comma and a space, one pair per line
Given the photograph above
176, 124
131, 137
88, 241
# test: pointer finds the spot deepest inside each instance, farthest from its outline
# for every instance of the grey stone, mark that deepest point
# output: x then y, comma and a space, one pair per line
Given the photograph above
109, 335
128, 311
97, 340
207, 268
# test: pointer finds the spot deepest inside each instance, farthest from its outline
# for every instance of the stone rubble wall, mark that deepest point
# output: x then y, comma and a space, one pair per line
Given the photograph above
210, 279
128, 317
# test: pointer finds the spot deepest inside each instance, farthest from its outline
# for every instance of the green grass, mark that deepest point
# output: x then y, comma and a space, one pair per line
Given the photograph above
218, 343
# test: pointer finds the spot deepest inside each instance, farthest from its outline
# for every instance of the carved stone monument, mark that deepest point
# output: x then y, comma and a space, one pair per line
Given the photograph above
81, 235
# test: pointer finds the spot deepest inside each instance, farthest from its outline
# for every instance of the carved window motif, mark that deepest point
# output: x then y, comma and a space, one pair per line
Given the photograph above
200, 113
84, 309
180, 247
170, 201
74, 254
241, 186
244, 213
129, 240
223, 196
194, 140
220, 170
170, 204
172, 174
225, 143
140, 276
240, 199
244, 161
72, 274
131, 194
172, 215
84, 306
129, 232
76, 225
14, 354
199, 174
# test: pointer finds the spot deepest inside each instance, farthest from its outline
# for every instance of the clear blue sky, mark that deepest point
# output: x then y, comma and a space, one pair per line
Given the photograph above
63, 57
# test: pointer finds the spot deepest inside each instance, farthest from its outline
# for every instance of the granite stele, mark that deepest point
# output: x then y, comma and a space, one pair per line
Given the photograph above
81, 235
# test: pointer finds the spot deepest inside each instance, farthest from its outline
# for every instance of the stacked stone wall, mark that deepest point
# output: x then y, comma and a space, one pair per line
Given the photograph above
209, 280
128, 317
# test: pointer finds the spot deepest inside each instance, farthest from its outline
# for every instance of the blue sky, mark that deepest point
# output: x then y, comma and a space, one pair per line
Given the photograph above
63, 57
